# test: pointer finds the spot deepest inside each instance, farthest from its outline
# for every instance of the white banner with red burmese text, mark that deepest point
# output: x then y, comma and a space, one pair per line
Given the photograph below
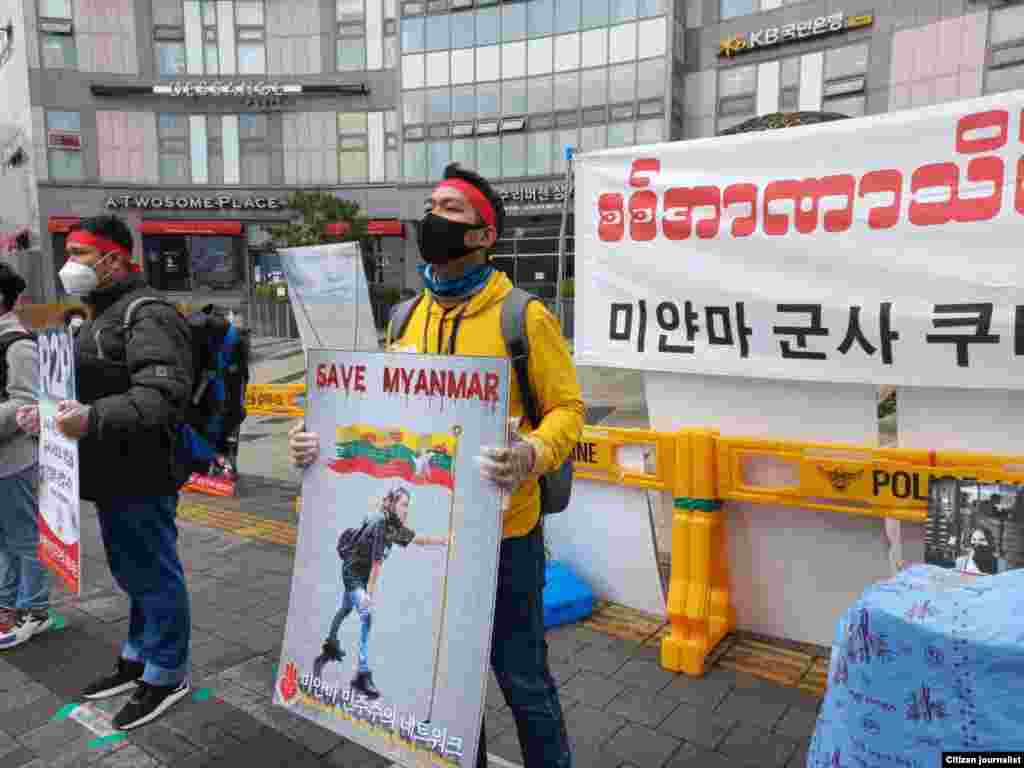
886, 249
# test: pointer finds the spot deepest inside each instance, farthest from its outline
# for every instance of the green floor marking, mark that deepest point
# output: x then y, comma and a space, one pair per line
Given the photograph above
102, 741
202, 694
58, 622
65, 712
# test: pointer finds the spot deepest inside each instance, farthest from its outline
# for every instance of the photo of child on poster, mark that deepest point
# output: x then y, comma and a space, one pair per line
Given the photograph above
387, 640
973, 527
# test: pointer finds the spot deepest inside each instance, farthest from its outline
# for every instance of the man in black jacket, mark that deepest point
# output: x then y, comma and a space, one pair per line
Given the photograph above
133, 389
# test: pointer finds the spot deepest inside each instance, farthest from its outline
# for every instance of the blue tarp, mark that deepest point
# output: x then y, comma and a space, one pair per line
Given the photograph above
931, 660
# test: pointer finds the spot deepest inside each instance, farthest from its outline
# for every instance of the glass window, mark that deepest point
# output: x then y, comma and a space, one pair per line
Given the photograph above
65, 164
622, 43
593, 137
650, 131
249, 13
851, 105
252, 59
439, 106
350, 10
567, 90
730, 9
622, 83
540, 152
595, 48
488, 63
438, 32
255, 167
513, 155
567, 15
463, 103
351, 54
513, 97
414, 34
169, 125
199, 149
594, 87
413, 71
595, 14
541, 17
565, 139
55, 9
623, 10
737, 81
487, 26
541, 95
489, 157
59, 51
252, 126
649, 7
439, 156
1007, 24
789, 72
414, 110
513, 21
488, 99
464, 152
651, 77
539, 55
415, 166
843, 62
567, 52
620, 134
173, 169
391, 163
232, 149
463, 67
170, 58
353, 166
214, 151
513, 60
463, 30
64, 121
438, 68
1004, 79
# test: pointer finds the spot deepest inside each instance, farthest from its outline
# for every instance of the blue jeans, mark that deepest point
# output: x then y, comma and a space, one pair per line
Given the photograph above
24, 582
141, 539
519, 656
353, 598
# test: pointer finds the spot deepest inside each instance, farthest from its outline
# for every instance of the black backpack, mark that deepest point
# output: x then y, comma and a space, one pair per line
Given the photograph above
6, 340
556, 486
220, 356
348, 540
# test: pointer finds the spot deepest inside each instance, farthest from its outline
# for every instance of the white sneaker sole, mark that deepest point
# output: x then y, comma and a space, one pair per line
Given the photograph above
110, 693
166, 704
26, 636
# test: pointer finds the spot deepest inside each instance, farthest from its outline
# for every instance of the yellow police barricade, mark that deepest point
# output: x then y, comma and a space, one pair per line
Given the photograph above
703, 470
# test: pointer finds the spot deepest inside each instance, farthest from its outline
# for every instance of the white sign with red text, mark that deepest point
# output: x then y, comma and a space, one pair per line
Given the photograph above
878, 250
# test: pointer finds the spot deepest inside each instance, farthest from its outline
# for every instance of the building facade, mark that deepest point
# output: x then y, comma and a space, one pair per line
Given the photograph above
195, 119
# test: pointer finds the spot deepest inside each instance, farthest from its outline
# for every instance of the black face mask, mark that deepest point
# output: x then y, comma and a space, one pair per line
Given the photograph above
442, 241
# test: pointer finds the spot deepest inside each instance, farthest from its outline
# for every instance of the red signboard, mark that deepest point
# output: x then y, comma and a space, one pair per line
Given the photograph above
173, 227
64, 140
374, 227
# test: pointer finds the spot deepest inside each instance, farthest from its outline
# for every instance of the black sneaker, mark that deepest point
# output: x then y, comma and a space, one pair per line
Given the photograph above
363, 682
148, 703
122, 680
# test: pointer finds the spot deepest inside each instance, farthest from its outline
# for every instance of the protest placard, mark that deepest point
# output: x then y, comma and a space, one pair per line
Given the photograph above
389, 624
58, 463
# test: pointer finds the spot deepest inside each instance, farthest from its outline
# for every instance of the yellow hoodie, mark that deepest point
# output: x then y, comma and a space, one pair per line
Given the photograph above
552, 376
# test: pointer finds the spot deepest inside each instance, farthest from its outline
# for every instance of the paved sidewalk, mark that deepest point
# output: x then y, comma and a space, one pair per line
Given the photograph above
623, 709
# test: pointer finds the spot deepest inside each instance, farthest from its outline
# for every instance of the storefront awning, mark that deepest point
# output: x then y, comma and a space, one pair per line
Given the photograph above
63, 224
175, 227
374, 227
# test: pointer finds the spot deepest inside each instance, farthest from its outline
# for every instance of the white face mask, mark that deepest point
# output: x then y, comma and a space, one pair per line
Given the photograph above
78, 279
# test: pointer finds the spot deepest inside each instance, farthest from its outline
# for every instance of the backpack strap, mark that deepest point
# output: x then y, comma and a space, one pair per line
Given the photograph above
400, 314
7, 340
140, 301
513, 329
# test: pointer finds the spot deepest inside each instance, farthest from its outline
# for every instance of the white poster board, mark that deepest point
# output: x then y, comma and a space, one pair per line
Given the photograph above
59, 505
393, 427
329, 296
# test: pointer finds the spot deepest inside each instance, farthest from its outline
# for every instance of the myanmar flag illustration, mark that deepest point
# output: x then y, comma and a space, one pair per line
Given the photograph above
416, 458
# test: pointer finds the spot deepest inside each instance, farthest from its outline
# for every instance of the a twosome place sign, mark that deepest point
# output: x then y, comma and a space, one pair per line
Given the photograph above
227, 88
195, 202
791, 33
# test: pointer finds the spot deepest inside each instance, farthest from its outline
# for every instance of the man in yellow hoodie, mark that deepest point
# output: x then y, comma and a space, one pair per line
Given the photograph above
459, 313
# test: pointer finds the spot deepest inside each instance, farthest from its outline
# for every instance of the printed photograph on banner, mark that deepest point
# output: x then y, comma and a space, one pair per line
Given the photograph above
387, 640
977, 528
59, 511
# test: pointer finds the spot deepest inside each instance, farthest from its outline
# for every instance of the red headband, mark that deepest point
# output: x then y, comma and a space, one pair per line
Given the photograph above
100, 243
475, 197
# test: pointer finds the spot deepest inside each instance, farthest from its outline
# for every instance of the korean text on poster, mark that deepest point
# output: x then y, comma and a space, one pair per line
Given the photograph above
875, 250
59, 511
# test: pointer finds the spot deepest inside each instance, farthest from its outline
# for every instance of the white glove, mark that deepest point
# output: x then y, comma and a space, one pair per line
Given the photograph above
508, 468
303, 446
